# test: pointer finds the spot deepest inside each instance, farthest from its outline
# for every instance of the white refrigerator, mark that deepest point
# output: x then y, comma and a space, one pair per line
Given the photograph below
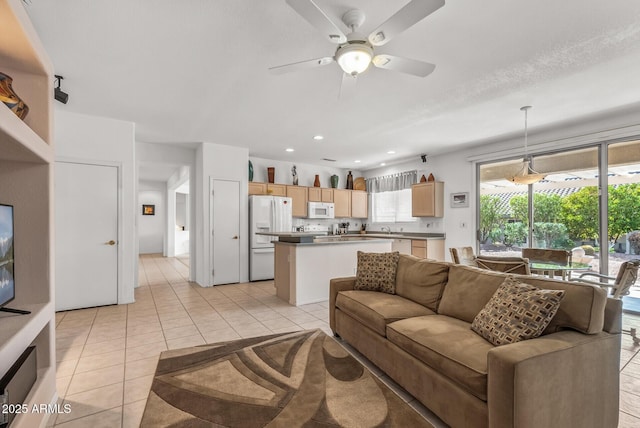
266, 214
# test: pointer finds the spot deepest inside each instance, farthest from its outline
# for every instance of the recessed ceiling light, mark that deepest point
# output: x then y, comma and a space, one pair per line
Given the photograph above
356, 161
318, 137
391, 152
382, 164
289, 150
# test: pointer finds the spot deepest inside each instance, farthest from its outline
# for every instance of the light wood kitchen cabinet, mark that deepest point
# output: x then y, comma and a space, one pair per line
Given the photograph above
298, 195
326, 195
342, 202
428, 249
257, 188
278, 189
427, 199
315, 194
359, 204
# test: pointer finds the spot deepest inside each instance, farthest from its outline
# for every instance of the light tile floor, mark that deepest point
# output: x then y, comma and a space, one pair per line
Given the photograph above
107, 356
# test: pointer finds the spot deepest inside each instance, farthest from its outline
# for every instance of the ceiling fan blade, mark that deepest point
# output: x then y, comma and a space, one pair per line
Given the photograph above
302, 65
316, 17
403, 65
410, 14
348, 86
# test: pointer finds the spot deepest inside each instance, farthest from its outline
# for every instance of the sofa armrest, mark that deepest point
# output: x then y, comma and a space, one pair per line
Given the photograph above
564, 379
335, 286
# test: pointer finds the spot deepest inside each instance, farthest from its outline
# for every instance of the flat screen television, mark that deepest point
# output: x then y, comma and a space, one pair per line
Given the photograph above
7, 279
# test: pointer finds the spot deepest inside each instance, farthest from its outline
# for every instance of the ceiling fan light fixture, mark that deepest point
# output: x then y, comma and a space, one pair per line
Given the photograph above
354, 58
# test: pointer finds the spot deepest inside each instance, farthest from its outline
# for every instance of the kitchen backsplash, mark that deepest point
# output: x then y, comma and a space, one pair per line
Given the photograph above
422, 225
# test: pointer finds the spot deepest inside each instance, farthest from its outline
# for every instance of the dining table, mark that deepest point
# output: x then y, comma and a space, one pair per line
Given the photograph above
550, 268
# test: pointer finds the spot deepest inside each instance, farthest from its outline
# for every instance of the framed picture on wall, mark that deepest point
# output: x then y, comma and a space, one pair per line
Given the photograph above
460, 200
148, 210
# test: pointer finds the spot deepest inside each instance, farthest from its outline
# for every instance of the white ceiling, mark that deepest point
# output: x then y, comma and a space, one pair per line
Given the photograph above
191, 71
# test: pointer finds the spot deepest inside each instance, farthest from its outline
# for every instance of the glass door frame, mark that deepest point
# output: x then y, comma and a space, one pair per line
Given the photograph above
603, 196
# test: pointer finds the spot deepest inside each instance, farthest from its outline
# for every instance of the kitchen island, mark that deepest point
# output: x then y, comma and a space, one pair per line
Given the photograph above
303, 270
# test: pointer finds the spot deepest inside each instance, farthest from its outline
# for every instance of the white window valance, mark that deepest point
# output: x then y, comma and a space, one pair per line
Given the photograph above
390, 183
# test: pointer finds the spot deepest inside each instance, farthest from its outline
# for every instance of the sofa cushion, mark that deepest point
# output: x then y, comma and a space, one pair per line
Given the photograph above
517, 311
375, 310
448, 346
421, 280
377, 271
469, 289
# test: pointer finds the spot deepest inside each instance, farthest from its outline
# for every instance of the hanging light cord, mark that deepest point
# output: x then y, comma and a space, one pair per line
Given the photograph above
526, 111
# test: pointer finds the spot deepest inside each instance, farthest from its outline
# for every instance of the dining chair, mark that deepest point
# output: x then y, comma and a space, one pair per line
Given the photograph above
515, 265
562, 257
463, 256
617, 286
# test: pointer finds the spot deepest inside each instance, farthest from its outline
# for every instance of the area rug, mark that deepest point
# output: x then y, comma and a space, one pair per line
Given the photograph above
301, 379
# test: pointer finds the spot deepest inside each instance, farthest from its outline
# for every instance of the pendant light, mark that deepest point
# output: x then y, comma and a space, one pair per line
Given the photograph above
526, 175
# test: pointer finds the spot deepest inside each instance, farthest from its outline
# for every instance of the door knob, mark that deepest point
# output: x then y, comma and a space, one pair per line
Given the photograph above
235, 237
112, 242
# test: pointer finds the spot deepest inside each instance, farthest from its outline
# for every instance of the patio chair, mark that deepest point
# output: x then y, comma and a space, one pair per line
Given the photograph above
561, 257
617, 286
515, 265
463, 256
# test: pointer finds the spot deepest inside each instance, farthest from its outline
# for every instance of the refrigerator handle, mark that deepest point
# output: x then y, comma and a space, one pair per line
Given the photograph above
274, 214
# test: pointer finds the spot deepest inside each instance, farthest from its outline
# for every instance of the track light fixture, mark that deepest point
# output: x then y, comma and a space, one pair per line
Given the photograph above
59, 94
424, 158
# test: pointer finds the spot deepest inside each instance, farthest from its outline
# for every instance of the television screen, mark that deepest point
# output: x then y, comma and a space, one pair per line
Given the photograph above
7, 289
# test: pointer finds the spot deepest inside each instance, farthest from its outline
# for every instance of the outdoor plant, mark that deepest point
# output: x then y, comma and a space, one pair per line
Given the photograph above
514, 234
588, 250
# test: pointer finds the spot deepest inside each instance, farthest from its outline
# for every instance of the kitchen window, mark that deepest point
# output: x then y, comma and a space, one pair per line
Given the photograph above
391, 197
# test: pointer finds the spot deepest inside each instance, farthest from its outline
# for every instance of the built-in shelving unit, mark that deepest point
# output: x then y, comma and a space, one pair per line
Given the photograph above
26, 182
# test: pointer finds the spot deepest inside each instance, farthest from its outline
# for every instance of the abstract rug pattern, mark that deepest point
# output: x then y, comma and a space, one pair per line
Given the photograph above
301, 379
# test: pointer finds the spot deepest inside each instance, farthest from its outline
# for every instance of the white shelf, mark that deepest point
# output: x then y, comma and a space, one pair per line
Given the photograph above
17, 332
20, 143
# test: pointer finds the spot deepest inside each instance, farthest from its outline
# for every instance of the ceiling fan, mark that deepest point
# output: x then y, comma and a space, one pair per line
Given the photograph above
356, 51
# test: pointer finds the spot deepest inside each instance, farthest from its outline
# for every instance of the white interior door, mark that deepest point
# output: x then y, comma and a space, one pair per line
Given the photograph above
225, 222
86, 200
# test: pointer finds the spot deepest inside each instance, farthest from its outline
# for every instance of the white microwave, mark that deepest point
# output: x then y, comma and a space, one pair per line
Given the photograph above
320, 210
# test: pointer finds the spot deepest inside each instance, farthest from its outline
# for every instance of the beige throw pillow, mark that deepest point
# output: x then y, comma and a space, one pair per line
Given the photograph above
377, 271
516, 312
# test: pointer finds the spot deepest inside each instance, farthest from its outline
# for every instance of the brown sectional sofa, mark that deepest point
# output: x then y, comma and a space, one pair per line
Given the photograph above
421, 338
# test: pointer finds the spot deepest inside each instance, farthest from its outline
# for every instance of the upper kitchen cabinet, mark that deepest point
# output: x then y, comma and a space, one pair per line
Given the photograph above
342, 203
427, 199
257, 188
276, 189
326, 195
320, 194
314, 194
359, 204
298, 195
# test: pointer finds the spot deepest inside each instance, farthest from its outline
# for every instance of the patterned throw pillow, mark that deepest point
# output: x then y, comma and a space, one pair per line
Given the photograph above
516, 312
377, 271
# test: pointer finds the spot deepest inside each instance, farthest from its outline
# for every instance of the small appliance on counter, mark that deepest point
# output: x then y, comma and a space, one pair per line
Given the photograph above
343, 228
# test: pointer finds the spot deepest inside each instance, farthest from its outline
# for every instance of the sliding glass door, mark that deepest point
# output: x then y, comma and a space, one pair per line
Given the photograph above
565, 210
623, 204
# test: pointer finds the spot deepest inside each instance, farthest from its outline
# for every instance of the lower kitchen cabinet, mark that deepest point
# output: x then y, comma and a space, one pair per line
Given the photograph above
402, 245
428, 249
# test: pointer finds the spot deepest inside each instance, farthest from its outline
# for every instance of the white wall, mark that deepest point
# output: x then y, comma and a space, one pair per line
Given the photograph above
182, 211
151, 228
219, 162
306, 172
111, 142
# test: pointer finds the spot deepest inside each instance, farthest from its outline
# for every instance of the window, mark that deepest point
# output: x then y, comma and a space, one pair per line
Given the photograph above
391, 207
391, 197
